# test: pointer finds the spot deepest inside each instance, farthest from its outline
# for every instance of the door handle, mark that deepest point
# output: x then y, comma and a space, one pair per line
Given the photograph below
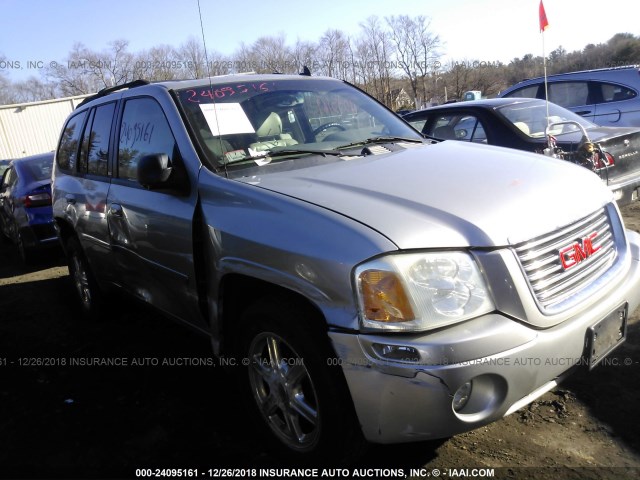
583, 112
115, 210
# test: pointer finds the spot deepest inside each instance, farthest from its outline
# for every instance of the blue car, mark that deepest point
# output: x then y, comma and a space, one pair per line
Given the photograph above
25, 204
607, 96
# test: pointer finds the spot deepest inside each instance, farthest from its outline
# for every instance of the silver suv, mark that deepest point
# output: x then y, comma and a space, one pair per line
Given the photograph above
607, 97
368, 283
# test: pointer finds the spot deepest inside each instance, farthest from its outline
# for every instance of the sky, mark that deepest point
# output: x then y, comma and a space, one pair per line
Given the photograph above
35, 33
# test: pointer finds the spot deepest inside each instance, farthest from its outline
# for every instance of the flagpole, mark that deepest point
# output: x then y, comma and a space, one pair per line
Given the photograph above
544, 23
544, 65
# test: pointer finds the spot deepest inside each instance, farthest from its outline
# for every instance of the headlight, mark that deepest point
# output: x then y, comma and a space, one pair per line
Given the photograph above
420, 291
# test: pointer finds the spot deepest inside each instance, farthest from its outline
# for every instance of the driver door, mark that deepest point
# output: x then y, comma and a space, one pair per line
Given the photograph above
151, 231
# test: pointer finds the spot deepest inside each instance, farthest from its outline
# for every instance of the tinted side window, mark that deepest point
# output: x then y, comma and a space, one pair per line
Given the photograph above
144, 131
569, 94
10, 177
463, 127
478, 135
443, 127
98, 157
68, 150
418, 123
84, 147
615, 93
526, 92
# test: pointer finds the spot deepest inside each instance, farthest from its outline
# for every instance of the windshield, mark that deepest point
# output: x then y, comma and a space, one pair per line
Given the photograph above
531, 118
249, 124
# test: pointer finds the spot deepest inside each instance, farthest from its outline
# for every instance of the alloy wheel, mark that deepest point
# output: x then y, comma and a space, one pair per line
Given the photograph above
284, 392
81, 281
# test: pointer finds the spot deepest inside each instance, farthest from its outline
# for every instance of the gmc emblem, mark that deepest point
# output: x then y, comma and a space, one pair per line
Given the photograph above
573, 254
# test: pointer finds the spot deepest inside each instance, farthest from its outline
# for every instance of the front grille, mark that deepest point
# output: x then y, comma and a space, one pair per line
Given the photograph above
550, 281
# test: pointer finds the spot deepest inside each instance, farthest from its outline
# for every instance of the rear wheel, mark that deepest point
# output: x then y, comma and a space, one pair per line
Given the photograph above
300, 399
86, 288
24, 251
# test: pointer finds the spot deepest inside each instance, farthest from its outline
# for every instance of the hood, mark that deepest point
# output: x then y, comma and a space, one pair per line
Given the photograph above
450, 194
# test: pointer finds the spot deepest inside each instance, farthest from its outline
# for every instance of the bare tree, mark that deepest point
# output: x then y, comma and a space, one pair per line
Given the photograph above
526, 67
192, 53
115, 67
157, 64
416, 50
374, 49
265, 55
381, 59
304, 54
6, 97
73, 78
196, 63
87, 71
273, 54
333, 52
32, 90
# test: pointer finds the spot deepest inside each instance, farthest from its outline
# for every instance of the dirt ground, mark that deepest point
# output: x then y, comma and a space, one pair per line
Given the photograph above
81, 421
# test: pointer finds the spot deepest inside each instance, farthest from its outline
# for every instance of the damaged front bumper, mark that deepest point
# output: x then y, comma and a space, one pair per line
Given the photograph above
499, 365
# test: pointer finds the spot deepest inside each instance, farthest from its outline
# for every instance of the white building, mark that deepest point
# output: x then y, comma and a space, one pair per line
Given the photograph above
32, 128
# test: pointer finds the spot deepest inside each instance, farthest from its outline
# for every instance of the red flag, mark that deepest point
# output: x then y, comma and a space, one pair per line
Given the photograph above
544, 23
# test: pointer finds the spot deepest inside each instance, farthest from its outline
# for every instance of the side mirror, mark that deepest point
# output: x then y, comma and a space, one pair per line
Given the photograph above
153, 170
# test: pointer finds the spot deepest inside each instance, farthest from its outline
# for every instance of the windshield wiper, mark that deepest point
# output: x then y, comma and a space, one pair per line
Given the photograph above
281, 152
374, 140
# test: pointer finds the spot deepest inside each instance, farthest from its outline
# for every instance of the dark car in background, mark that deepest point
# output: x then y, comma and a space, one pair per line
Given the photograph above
606, 96
521, 123
25, 204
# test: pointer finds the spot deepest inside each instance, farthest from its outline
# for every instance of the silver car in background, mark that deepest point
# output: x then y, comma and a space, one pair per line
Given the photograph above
370, 284
609, 97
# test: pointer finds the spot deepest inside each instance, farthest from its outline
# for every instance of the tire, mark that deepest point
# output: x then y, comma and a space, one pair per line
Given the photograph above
301, 401
90, 297
3, 237
26, 255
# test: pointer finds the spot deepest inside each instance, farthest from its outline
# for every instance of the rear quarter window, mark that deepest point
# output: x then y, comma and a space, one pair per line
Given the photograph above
615, 93
94, 154
67, 154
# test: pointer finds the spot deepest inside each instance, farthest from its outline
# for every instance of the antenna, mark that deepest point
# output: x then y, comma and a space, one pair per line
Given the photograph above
204, 43
215, 111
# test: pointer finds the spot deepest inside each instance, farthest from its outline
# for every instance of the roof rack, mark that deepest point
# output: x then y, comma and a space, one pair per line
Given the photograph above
108, 90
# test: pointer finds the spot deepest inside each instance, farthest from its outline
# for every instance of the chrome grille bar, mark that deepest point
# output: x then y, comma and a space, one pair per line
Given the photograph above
540, 258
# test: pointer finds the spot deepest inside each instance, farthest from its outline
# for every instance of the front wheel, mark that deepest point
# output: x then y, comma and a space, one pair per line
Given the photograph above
284, 392
300, 398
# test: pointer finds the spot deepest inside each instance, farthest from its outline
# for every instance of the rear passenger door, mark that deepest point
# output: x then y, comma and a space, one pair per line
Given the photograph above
93, 175
613, 102
574, 96
151, 231
80, 193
